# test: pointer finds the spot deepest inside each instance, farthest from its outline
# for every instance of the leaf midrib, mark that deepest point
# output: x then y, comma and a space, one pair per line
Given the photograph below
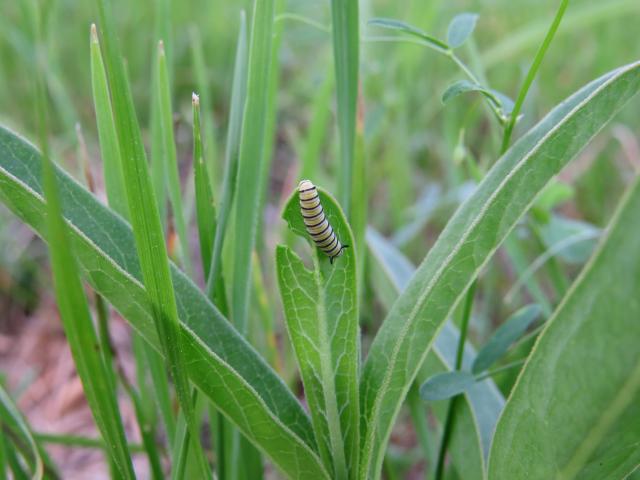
418, 305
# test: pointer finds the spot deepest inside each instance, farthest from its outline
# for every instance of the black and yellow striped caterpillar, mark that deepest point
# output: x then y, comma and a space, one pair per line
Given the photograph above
316, 222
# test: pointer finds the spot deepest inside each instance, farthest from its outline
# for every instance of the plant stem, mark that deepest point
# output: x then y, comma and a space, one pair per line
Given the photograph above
448, 423
522, 94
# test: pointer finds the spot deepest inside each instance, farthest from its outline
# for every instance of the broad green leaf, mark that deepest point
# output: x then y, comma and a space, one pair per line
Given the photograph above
446, 385
468, 242
461, 28
574, 411
11, 418
221, 363
251, 156
321, 310
510, 331
478, 412
404, 27
346, 43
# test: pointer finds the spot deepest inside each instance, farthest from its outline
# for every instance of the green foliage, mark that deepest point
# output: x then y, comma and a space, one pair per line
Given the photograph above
446, 385
321, 310
583, 377
460, 29
471, 236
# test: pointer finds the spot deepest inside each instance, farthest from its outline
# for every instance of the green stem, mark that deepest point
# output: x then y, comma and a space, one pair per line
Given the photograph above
522, 94
449, 419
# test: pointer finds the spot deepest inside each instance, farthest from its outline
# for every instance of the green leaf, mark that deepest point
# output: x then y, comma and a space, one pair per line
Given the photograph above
11, 418
446, 385
482, 403
222, 364
461, 28
346, 57
559, 232
510, 331
321, 310
574, 411
468, 242
410, 30
248, 206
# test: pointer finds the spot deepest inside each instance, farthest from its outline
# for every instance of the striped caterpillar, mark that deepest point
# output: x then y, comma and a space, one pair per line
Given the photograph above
316, 222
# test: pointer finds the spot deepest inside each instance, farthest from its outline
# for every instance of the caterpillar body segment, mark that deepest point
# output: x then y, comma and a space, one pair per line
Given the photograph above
316, 222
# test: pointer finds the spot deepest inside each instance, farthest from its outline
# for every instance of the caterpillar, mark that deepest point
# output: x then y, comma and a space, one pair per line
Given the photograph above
316, 222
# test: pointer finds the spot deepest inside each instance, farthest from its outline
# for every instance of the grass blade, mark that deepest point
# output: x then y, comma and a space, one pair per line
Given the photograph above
234, 131
346, 42
250, 158
147, 227
172, 172
74, 309
109, 149
468, 242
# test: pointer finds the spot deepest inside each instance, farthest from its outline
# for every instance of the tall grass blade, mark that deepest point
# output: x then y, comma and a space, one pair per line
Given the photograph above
346, 41
172, 170
109, 149
147, 227
251, 157
72, 303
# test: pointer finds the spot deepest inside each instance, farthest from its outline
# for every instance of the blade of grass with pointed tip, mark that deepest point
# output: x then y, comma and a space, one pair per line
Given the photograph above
483, 402
205, 210
321, 312
74, 309
346, 43
468, 242
557, 433
223, 365
318, 125
147, 227
251, 157
109, 149
172, 171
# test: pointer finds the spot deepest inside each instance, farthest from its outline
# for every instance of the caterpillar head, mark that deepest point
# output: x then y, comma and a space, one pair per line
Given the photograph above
305, 185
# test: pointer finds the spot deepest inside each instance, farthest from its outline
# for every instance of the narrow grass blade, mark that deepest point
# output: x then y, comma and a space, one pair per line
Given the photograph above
205, 210
250, 159
346, 43
210, 147
556, 433
74, 309
238, 95
11, 418
172, 171
321, 310
147, 227
468, 242
230, 372
109, 149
